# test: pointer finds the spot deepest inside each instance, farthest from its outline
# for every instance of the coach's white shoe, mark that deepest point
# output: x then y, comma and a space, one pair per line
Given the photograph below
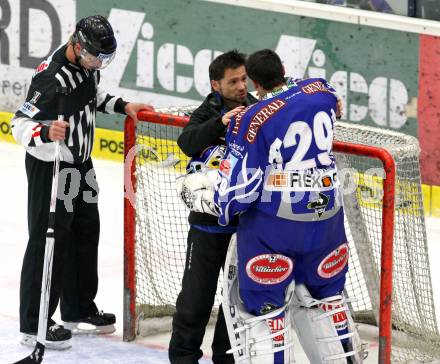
57, 338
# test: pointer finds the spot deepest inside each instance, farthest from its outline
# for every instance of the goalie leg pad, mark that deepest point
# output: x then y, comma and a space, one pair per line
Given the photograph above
265, 339
325, 329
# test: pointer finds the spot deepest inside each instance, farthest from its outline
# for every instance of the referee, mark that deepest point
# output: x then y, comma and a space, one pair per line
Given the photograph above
76, 67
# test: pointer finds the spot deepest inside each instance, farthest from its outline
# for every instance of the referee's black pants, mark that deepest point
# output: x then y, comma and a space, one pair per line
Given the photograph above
74, 271
205, 255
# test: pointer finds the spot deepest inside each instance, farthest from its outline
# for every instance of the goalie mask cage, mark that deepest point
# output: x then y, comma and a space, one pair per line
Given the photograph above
389, 279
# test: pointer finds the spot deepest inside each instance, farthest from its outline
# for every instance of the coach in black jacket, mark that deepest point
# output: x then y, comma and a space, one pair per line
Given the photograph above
207, 241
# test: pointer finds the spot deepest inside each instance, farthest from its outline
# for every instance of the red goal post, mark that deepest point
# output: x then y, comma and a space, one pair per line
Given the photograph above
386, 277
152, 267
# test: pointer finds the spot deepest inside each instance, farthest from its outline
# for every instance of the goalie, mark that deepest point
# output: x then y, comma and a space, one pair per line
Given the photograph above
287, 268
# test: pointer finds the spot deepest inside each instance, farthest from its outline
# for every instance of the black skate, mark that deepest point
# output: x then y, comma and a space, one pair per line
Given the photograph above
57, 337
97, 324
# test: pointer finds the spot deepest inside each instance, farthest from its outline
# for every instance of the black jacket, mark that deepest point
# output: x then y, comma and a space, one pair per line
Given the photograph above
203, 130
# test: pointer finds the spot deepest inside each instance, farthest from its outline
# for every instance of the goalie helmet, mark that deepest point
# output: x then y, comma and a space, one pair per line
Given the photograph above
209, 159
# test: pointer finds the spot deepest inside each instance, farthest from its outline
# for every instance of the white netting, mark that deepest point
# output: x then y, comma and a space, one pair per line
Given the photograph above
415, 331
161, 231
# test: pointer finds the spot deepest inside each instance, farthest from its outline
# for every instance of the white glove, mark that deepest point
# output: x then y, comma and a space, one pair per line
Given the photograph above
197, 192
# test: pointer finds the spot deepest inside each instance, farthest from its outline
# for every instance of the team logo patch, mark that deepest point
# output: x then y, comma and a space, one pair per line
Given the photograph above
42, 66
335, 262
319, 204
227, 165
268, 307
37, 130
269, 268
35, 97
28, 109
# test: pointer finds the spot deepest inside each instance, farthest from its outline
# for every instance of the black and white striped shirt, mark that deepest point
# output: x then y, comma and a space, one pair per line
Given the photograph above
31, 122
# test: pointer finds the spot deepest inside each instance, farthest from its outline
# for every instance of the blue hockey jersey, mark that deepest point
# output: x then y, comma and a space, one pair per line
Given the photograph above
279, 158
279, 174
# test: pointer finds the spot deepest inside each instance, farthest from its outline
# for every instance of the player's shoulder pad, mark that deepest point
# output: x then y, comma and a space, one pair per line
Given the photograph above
236, 122
311, 86
260, 114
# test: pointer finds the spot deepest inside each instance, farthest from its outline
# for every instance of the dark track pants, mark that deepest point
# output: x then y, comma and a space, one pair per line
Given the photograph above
74, 274
206, 254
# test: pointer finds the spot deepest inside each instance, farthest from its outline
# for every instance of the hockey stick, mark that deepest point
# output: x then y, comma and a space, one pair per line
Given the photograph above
36, 356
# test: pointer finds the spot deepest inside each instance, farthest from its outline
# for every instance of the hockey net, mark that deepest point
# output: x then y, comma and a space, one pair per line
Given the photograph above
384, 222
